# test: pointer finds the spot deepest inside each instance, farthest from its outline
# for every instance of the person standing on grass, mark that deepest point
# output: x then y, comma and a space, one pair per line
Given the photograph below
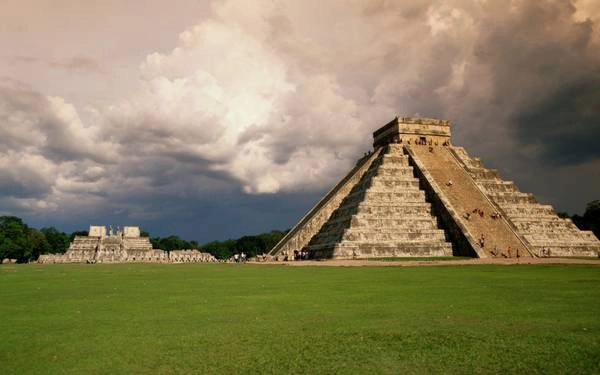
509, 251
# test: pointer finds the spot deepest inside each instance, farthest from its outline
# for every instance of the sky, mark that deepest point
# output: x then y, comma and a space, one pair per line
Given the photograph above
216, 119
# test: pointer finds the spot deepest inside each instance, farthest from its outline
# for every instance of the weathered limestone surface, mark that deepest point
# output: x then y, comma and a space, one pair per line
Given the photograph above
538, 224
384, 215
314, 220
458, 189
190, 256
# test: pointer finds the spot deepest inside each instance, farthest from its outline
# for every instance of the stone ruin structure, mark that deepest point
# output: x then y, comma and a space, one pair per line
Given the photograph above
186, 256
120, 246
417, 195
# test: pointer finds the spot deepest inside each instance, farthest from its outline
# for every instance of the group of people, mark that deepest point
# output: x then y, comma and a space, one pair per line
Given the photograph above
508, 254
240, 258
301, 255
421, 141
545, 252
478, 211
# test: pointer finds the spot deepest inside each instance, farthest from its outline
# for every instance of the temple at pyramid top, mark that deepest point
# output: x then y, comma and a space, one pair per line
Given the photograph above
412, 129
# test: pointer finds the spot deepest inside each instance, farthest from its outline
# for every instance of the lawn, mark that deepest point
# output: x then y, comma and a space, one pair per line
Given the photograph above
228, 318
417, 259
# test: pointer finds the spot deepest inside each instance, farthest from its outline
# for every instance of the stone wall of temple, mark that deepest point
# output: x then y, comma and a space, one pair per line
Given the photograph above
123, 247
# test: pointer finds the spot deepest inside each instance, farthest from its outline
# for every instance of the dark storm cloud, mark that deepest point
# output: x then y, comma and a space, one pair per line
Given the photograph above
565, 126
546, 75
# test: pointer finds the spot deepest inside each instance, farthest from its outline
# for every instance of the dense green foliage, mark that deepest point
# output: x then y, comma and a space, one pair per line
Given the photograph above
172, 243
58, 241
590, 219
18, 241
251, 245
254, 319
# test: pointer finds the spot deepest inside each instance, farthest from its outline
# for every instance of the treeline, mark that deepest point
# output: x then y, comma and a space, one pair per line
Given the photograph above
251, 245
590, 219
23, 243
19, 241
171, 243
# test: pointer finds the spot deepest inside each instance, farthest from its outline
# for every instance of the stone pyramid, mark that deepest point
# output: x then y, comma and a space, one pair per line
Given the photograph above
417, 195
385, 214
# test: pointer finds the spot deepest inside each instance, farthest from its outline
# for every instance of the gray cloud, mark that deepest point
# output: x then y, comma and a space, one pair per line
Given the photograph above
72, 64
266, 103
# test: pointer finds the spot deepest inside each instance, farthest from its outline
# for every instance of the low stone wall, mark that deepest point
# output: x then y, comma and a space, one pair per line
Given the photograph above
133, 256
190, 256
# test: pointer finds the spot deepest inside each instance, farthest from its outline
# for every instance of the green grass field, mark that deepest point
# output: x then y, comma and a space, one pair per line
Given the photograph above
417, 259
227, 318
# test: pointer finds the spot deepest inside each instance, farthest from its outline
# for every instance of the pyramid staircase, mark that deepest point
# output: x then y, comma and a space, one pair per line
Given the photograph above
467, 200
538, 224
384, 215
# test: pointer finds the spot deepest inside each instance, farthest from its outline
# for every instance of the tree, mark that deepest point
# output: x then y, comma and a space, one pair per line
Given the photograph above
57, 240
220, 249
172, 243
592, 217
37, 244
251, 245
14, 240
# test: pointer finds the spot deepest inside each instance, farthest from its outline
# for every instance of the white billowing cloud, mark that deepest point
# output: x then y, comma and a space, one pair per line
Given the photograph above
226, 98
42, 142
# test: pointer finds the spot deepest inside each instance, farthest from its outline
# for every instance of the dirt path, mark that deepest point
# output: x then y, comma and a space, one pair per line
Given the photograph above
460, 262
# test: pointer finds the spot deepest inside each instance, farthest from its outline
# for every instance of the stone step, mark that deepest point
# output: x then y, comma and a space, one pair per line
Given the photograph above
483, 174
545, 226
396, 159
384, 170
421, 208
346, 250
384, 197
497, 186
355, 235
528, 210
568, 250
379, 182
377, 224
512, 198
375, 235
570, 237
